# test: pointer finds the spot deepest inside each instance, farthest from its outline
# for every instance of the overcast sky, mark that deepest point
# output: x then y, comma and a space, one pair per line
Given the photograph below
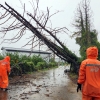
62, 19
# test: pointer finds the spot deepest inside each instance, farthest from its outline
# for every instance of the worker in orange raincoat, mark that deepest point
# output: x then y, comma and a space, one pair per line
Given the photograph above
89, 75
4, 72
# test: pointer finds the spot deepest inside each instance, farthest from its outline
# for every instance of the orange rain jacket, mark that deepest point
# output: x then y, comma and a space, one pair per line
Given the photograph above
4, 71
89, 73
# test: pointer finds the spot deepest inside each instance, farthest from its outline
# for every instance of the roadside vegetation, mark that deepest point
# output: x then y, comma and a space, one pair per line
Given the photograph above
22, 64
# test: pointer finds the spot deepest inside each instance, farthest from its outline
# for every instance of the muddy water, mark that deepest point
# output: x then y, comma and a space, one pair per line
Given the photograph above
45, 85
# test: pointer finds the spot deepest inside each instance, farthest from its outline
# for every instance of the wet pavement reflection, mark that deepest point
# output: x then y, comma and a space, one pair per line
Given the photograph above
53, 84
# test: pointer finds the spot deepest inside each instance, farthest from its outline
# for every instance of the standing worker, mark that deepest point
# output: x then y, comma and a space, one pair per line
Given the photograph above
89, 75
4, 73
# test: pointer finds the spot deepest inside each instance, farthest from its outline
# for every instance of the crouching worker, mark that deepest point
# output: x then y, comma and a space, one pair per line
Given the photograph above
89, 75
4, 73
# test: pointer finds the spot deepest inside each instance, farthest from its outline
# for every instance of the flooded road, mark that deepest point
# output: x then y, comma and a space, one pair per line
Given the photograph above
44, 85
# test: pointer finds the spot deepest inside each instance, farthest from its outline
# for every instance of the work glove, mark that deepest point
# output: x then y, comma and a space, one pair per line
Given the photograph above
78, 87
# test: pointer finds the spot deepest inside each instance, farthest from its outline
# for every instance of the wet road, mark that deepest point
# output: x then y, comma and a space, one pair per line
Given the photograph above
47, 85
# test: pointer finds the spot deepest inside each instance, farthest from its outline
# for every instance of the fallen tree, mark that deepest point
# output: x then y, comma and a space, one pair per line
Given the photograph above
23, 24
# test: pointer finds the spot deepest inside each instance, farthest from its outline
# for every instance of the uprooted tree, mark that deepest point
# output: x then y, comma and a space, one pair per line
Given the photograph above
37, 25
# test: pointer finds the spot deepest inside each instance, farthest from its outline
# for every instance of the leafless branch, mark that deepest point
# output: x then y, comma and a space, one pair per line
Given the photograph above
37, 25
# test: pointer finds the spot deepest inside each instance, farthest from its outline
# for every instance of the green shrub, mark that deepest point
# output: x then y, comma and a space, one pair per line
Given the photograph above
30, 66
41, 65
22, 64
37, 59
52, 64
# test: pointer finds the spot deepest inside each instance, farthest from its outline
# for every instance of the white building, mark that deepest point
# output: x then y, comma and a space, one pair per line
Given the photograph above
45, 55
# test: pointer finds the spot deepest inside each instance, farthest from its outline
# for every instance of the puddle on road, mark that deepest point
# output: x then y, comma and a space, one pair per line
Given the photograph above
37, 86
